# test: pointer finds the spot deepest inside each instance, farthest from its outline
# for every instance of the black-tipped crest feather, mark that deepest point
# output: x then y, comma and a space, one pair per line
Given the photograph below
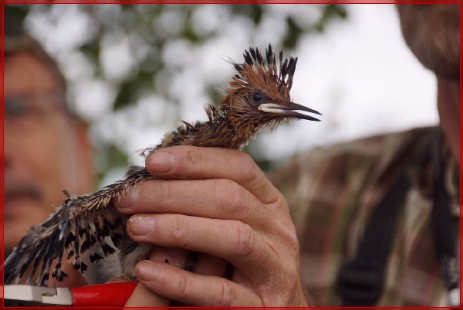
253, 57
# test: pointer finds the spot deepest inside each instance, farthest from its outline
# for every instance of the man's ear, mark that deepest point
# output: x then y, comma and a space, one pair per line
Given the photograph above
85, 158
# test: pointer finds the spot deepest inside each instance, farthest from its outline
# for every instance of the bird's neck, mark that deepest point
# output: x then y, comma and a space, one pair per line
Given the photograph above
218, 131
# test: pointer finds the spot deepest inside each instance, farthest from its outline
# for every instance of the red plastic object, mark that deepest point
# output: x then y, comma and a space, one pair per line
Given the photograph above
111, 294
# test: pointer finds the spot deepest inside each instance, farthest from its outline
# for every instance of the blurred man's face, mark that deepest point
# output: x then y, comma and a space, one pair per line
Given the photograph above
38, 153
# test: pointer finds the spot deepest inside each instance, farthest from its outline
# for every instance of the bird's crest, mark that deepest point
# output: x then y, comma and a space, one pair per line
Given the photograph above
264, 71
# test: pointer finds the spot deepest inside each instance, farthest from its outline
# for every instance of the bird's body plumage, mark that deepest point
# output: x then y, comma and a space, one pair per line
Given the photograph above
258, 96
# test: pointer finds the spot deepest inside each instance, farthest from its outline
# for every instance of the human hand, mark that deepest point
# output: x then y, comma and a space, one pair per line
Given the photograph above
218, 202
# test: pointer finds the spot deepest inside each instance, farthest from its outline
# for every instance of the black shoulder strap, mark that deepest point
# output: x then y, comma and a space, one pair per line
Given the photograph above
361, 281
444, 230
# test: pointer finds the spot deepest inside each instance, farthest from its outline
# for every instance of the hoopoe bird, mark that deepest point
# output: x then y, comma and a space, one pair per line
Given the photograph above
89, 225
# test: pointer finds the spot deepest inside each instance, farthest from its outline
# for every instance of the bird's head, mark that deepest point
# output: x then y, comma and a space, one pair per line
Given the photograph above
258, 95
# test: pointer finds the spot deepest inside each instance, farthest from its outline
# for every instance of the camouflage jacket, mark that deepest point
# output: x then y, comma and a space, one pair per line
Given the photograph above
332, 192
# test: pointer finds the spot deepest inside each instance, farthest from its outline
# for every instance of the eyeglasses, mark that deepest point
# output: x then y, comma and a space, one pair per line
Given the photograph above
26, 110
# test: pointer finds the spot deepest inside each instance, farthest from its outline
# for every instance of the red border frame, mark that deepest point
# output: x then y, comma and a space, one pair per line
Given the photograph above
2, 12
2, 182
232, 2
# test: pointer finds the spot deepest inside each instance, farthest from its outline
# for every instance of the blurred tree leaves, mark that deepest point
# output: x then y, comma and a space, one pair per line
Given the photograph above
151, 32
253, 12
330, 12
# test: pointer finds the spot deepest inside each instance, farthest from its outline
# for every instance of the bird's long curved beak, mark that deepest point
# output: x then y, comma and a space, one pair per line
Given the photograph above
289, 110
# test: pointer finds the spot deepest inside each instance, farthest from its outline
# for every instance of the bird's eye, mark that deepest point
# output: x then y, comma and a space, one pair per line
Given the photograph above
256, 96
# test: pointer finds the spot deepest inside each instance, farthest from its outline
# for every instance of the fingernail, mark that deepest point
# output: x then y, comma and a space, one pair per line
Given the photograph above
161, 161
140, 225
148, 271
128, 200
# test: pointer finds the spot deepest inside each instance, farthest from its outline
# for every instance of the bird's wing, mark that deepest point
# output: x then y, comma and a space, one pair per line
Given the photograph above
72, 230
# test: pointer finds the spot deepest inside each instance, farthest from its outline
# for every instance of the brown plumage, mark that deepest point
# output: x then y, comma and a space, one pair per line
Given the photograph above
257, 97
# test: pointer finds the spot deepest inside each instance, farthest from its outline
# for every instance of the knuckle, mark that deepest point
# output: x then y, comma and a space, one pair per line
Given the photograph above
161, 192
229, 197
224, 298
293, 243
289, 239
249, 171
179, 229
245, 240
182, 287
280, 202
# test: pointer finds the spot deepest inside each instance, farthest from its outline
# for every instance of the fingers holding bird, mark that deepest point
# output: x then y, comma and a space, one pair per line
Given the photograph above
219, 203
188, 162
